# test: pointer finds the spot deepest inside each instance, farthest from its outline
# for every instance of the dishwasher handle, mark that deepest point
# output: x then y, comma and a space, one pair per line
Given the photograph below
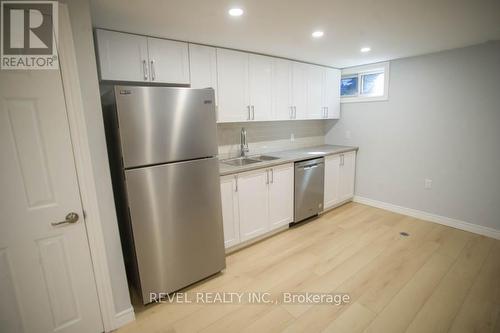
311, 166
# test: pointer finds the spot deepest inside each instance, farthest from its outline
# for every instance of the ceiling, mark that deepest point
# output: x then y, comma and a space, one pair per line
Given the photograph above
392, 28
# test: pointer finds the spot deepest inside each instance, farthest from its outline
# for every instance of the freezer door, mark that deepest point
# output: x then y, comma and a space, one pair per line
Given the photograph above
177, 224
160, 124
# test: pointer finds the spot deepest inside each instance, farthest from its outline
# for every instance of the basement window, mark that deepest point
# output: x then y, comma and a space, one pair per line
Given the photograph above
365, 83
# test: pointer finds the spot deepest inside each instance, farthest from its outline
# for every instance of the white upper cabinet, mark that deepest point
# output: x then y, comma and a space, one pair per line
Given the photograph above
281, 195
230, 216
232, 79
299, 90
203, 67
260, 75
127, 57
122, 57
168, 61
331, 93
281, 89
315, 92
248, 87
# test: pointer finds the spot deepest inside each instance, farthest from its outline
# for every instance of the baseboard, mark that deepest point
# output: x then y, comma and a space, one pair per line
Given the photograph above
124, 317
447, 221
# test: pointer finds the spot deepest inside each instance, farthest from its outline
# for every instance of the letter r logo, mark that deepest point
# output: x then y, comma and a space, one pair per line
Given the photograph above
28, 27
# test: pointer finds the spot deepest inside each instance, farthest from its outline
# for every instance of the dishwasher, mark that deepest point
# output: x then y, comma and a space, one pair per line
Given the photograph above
309, 188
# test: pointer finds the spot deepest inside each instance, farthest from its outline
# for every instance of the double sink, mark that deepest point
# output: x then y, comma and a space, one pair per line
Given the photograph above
241, 161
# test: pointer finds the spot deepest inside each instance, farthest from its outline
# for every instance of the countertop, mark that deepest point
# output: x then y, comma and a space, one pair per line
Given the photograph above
286, 156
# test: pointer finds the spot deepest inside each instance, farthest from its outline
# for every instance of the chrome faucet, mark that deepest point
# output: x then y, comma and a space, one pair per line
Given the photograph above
243, 142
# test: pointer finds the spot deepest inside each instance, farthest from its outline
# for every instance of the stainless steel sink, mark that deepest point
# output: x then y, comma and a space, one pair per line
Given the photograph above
241, 161
265, 158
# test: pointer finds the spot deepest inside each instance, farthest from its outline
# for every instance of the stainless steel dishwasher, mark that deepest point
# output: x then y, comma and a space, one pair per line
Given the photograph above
309, 188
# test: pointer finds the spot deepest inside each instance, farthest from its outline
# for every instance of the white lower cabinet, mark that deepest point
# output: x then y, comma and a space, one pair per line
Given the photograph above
339, 178
230, 218
281, 195
253, 203
347, 174
256, 202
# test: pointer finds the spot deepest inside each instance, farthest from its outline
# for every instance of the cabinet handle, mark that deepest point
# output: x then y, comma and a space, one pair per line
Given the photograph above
145, 69
342, 159
235, 183
294, 112
326, 112
267, 176
153, 72
249, 114
272, 176
253, 112
291, 112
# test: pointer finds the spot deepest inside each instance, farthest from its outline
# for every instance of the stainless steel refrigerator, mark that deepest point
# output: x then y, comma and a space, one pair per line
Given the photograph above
163, 155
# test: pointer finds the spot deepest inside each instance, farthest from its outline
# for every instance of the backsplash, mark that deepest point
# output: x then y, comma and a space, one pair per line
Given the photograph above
264, 137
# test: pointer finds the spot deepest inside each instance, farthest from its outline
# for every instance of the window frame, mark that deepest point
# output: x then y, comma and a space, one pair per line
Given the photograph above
360, 71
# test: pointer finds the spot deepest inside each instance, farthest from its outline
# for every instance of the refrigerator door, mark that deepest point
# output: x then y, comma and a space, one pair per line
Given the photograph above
160, 124
177, 224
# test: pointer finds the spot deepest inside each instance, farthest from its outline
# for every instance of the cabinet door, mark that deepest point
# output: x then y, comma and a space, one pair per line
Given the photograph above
203, 67
331, 94
332, 181
281, 87
253, 203
315, 89
122, 57
230, 210
232, 79
281, 195
299, 89
347, 174
168, 61
259, 73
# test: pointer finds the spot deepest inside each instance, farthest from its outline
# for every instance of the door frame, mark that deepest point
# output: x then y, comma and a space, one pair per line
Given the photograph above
85, 176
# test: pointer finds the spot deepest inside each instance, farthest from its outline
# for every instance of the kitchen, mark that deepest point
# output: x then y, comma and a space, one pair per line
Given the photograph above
278, 167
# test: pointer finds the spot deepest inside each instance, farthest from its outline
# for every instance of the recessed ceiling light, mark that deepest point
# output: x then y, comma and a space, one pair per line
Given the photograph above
235, 12
365, 49
318, 34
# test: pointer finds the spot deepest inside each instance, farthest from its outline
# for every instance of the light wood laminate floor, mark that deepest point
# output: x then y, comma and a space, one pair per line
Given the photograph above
438, 279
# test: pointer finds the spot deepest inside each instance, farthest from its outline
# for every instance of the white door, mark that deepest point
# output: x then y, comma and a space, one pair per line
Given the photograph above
299, 90
203, 67
46, 276
259, 75
232, 81
332, 181
230, 210
332, 93
315, 78
281, 195
253, 203
168, 61
122, 57
347, 174
281, 89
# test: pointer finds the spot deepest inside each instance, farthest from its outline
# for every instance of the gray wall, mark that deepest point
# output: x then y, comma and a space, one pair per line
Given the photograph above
442, 121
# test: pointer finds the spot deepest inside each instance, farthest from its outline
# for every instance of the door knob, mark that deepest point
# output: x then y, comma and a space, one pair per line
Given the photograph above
70, 218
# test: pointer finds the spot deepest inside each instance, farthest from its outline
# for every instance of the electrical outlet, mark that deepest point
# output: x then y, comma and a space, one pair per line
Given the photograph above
347, 134
428, 184
292, 137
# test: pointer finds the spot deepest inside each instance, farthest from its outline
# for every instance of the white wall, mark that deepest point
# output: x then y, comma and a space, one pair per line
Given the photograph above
442, 121
79, 12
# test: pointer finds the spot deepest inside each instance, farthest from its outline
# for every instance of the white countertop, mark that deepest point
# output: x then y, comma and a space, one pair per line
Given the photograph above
286, 156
